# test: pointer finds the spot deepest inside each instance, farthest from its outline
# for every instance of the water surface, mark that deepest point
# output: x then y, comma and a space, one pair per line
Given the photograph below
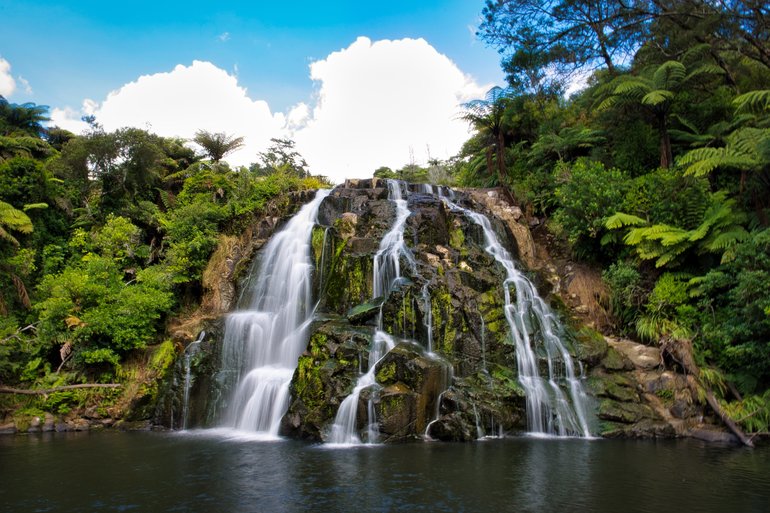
210, 471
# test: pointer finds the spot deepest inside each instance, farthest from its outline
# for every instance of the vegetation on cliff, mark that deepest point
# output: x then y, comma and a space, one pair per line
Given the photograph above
103, 237
657, 171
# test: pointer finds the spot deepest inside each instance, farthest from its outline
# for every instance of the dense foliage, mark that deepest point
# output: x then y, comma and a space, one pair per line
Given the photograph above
657, 170
104, 237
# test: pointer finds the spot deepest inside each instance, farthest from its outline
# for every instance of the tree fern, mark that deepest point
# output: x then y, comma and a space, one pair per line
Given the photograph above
14, 220
753, 101
719, 230
620, 220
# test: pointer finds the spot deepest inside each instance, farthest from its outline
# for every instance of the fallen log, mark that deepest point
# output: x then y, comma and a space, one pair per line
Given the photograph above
26, 391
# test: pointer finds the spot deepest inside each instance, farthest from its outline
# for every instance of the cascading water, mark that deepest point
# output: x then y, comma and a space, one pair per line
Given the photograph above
387, 274
428, 317
387, 260
263, 342
549, 411
189, 353
344, 430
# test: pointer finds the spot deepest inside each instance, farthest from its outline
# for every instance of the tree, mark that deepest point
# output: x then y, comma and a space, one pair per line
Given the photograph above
487, 118
561, 36
217, 144
25, 119
281, 156
655, 89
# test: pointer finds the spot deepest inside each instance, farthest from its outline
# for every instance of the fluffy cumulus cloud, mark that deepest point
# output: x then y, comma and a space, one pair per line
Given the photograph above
377, 104
383, 103
7, 83
178, 103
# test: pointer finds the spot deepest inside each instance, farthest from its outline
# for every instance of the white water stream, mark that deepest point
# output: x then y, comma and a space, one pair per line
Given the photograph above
387, 274
262, 343
533, 327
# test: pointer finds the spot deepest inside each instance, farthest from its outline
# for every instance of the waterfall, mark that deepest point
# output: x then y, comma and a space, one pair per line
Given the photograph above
428, 318
549, 411
263, 342
189, 352
387, 274
387, 260
344, 430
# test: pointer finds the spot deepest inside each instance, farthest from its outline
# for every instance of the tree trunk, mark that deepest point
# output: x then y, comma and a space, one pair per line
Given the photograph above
501, 170
666, 157
490, 163
681, 351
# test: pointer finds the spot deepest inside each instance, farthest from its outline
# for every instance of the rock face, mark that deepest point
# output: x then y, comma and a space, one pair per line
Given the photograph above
452, 373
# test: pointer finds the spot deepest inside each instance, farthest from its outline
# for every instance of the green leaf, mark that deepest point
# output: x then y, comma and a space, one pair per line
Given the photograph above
621, 220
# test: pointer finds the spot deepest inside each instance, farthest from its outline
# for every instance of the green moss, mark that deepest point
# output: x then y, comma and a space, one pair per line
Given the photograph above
391, 404
590, 344
386, 373
506, 379
457, 239
317, 243
309, 386
163, 357
346, 280
444, 328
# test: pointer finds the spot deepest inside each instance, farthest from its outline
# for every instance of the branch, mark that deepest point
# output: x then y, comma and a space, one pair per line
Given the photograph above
24, 391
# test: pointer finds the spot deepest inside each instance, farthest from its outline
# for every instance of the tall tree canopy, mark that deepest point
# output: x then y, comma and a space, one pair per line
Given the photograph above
543, 41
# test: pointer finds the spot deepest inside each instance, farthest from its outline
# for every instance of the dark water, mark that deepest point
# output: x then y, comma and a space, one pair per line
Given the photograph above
177, 472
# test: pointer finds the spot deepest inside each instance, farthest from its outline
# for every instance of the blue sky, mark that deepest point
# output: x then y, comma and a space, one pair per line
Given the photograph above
71, 51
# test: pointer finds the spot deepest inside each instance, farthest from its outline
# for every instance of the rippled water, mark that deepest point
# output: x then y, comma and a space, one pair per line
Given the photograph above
212, 471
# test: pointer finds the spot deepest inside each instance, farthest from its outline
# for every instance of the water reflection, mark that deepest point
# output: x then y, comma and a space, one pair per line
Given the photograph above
216, 471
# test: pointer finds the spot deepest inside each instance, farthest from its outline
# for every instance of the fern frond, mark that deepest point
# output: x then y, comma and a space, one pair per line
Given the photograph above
669, 74
621, 220
753, 101
657, 97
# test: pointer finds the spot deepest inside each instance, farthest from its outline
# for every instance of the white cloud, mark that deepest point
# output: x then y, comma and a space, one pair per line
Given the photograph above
224, 36
25, 84
378, 102
7, 83
182, 101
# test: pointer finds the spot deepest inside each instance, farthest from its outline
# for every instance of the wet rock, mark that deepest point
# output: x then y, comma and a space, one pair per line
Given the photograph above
452, 427
8, 428
361, 313
421, 377
396, 410
714, 435
326, 373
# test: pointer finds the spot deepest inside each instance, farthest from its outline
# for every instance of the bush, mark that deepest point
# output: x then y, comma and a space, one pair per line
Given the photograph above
587, 196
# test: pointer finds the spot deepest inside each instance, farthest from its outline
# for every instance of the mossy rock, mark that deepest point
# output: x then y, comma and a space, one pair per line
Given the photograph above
359, 314
614, 361
590, 345
614, 386
627, 413
396, 410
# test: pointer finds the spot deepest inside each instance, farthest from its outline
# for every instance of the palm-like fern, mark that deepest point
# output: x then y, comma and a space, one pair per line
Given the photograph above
13, 219
747, 149
719, 231
655, 89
